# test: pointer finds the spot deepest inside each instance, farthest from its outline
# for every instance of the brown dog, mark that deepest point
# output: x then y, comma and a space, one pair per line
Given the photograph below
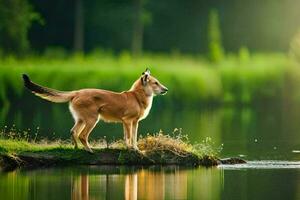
89, 105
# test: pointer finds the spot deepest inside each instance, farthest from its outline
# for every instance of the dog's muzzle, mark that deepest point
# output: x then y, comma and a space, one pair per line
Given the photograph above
164, 91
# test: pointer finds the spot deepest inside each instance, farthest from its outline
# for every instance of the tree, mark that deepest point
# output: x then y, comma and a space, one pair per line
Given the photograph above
294, 51
216, 51
140, 19
16, 17
79, 27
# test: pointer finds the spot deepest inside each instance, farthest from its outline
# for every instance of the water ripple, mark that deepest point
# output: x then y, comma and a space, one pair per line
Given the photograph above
264, 164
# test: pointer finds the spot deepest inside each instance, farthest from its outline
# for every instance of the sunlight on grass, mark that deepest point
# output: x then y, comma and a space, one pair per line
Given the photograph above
176, 142
234, 80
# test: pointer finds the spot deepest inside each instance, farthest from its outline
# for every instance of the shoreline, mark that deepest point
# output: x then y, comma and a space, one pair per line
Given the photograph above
124, 157
156, 149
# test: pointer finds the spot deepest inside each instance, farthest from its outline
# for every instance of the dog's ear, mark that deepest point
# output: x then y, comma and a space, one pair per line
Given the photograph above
144, 79
146, 72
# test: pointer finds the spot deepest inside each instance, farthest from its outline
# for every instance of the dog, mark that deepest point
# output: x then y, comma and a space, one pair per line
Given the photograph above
88, 106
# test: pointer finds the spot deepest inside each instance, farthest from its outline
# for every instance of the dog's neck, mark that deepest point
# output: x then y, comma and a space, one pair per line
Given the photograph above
143, 97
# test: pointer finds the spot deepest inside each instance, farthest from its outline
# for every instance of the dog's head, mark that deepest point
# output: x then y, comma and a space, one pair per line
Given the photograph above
151, 85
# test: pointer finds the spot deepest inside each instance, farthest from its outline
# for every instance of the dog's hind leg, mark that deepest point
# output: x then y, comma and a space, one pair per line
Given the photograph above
83, 137
76, 130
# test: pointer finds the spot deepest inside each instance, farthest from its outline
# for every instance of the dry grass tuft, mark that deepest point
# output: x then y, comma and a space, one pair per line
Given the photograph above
162, 142
177, 143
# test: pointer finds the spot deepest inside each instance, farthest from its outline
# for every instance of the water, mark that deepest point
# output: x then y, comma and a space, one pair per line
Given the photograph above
111, 182
264, 164
267, 135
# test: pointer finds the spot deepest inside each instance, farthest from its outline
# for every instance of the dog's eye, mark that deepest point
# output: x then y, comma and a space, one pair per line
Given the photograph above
156, 83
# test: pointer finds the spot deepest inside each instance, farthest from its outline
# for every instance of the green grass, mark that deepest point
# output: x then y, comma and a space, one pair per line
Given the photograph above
153, 149
178, 144
190, 79
18, 145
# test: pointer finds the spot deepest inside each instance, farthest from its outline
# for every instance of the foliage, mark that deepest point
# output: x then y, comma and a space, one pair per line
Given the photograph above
174, 24
156, 149
55, 53
216, 51
16, 17
244, 55
177, 143
13, 140
191, 80
295, 47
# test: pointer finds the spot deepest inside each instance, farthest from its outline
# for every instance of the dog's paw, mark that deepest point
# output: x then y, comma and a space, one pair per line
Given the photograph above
89, 150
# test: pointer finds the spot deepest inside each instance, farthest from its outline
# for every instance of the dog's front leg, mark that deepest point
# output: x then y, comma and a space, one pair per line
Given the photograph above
135, 125
127, 126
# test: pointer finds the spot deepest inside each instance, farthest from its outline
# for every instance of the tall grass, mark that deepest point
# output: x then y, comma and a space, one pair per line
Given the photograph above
189, 79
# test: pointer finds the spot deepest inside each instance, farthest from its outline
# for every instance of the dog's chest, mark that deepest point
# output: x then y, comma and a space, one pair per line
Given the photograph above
147, 110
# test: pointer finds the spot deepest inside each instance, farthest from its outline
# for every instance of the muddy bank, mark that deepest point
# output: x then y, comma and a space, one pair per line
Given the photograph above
69, 157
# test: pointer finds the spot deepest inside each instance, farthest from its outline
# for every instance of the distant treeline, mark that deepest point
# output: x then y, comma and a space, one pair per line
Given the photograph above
151, 25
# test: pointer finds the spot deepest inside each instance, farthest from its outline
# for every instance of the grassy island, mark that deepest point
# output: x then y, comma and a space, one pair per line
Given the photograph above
156, 149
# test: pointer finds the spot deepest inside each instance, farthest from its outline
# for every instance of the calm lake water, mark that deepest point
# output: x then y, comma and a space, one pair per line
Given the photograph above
82, 183
265, 132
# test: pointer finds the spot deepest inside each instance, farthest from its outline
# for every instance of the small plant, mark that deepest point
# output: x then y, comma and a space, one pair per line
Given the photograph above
177, 143
13, 133
206, 147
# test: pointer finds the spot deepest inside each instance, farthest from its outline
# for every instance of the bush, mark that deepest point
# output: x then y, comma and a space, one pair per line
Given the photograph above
295, 48
16, 17
216, 51
262, 77
55, 53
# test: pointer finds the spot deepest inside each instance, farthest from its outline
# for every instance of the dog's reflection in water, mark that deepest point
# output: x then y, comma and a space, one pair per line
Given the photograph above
131, 187
80, 188
143, 184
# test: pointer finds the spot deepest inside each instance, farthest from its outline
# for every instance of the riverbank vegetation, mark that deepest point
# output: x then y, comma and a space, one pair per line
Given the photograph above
158, 149
238, 79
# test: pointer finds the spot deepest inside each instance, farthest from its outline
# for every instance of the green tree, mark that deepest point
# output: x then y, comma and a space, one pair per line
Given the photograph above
141, 18
216, 51
294, 51
79, 26
16, 17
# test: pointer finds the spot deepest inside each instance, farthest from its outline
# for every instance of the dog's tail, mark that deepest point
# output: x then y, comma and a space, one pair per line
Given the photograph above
47, 93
